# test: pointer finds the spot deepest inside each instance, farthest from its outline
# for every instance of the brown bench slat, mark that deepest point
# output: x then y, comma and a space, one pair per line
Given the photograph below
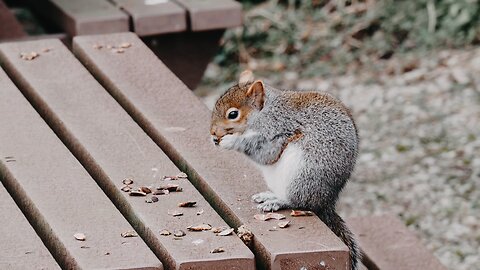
178, 122
153, 17
10, 28
113, 147
21, 247
389, 245
83, 17
57, 194
212, 14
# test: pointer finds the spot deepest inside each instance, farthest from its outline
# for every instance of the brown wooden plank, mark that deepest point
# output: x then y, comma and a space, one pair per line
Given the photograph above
82, 17
152, 17
212, 14
10, 28
21, 247
389, 245
112, 147
57, 194
179, 123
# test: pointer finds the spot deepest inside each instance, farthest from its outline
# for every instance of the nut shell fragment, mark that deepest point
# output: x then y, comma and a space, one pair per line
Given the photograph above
187, 204
29, 56
300, 213
182, 175
169, 187
175, 213
226, 232
245, 235
137, 193
161, 192
126, 188
284, 224
265, 217
127, 181
80, 236
165, 232
219, 229
129, 234
146, 190
179, 233
200, 227
125, 45
217, 250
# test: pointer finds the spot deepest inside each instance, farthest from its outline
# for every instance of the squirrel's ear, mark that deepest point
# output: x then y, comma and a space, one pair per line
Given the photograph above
245, 77
257, 93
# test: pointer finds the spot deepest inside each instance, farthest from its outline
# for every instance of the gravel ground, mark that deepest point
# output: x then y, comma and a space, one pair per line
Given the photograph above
420, 147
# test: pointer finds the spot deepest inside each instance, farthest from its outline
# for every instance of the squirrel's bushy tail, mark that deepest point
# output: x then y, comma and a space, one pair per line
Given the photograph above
338, 226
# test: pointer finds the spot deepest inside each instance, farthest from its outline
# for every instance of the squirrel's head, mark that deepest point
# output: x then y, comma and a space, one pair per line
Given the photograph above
232, 110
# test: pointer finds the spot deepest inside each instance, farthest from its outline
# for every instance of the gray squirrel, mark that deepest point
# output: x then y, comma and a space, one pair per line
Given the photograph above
305, 144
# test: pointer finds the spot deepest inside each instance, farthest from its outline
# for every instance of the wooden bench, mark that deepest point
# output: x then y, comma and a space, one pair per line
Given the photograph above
111, 110
185, 34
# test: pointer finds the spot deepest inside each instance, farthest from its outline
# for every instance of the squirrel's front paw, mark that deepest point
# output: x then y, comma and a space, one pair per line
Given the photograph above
272, 205
228, 141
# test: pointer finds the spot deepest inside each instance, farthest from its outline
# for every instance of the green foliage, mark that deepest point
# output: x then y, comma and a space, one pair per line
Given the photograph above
316, 37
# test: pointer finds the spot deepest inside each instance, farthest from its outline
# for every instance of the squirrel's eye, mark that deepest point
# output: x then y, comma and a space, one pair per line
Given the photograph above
233, 113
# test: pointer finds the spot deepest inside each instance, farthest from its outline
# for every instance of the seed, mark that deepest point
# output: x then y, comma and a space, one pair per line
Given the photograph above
154, 199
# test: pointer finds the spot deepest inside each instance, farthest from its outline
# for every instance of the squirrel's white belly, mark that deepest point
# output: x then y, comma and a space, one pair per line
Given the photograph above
279, 175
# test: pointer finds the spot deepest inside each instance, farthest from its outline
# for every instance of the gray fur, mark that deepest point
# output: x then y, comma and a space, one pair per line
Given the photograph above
329, 145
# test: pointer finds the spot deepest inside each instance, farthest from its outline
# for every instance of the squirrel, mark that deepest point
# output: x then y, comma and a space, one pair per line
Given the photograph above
304, 143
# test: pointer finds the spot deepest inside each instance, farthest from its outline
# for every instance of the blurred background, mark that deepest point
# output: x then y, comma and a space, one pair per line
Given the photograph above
410, 71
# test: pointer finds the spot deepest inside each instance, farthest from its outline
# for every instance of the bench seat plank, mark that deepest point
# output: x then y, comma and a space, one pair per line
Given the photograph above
112, 147
212, 14
389, 245
58, 196
21, 246
83, 17
179, 123
154, 17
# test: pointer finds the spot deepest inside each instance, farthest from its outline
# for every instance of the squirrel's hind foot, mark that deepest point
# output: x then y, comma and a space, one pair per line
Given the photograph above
268, 201
263, 196
272, 205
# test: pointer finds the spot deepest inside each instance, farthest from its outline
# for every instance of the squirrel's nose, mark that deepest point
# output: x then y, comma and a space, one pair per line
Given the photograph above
215, 139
